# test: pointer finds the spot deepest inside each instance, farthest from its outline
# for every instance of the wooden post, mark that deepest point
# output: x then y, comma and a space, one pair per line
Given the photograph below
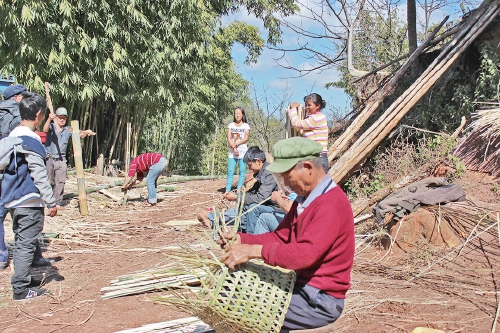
290, 130
80, 179
100, 165
127, 147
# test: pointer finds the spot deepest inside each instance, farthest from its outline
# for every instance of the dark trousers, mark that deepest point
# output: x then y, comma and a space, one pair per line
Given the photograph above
311, 308
4, 251
27, 224
56, 169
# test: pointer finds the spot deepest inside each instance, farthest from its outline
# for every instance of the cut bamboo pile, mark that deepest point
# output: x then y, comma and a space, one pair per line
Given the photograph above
371, 138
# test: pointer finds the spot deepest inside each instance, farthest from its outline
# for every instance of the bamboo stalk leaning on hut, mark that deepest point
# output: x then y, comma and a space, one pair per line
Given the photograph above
314, 126
151, 163
316, 238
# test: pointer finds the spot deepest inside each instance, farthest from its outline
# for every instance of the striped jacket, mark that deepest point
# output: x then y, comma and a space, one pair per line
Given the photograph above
314, 127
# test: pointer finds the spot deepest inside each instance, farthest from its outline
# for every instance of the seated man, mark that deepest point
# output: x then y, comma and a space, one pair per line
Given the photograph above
259, 193
269, 221
316, 238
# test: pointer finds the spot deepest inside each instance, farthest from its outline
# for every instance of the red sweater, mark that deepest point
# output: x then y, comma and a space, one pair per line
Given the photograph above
142, 163
318, 244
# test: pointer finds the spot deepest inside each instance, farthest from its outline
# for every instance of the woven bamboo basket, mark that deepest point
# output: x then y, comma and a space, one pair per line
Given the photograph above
253, 298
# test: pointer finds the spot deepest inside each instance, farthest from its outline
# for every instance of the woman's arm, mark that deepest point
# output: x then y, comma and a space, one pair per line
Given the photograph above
230, 141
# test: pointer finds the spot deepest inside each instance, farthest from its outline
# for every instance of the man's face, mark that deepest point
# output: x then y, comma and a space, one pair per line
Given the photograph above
61, 120
17, 98
297, 178
255, 165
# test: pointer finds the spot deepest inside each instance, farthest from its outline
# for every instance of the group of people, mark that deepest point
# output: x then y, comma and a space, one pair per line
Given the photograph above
33, 175
311, 233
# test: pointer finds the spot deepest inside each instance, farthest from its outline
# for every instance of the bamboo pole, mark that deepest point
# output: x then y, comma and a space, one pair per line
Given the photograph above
384, 125
100, 165
344, 140
160, 181
77, 154
127, 147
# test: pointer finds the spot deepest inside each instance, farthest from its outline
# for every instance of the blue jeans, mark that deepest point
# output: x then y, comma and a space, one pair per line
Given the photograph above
231, 166
153, 174
268, 222
4, 251
253, 217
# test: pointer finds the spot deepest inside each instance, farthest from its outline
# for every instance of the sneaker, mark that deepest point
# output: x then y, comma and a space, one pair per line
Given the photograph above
36, 282
42, 262
3, 265
28, 294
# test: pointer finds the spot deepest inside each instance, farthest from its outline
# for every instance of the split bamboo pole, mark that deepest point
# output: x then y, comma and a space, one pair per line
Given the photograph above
384, 125
344, 140
77, 154
127, 147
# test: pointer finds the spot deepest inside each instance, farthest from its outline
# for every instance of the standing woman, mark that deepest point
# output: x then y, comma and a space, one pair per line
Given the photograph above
314, 126
237, 136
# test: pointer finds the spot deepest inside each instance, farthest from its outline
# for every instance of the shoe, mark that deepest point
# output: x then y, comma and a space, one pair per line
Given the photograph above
36, 282
42, 262
29, 294
3, 265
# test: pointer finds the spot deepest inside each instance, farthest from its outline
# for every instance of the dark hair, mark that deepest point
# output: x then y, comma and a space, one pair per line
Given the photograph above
316, 99
244, 118
254, 153
30, 105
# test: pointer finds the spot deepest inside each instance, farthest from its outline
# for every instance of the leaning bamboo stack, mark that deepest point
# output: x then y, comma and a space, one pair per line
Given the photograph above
371, 138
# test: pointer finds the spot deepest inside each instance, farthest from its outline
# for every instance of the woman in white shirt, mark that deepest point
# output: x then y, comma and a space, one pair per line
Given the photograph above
237, 136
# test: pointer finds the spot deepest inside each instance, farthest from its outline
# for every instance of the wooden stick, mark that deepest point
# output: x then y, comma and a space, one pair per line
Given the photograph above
80, 178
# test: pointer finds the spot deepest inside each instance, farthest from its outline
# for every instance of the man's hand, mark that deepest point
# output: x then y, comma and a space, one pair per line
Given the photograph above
294, 105
52, 211
226, 239
276, 196
52, 116
240, 254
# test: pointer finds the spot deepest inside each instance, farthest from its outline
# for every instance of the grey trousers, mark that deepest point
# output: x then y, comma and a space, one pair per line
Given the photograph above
311, 308
27, 224
56, 169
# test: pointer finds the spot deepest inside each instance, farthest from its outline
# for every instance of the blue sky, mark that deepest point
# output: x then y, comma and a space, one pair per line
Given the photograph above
271, 79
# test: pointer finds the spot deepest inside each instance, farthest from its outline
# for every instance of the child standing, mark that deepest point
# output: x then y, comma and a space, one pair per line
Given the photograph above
25, 189
237, 136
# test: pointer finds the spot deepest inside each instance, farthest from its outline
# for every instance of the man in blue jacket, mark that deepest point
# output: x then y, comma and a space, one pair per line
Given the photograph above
25, 189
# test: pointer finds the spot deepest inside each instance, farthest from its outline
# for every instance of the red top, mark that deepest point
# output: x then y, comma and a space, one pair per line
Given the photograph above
318, 244
142, 163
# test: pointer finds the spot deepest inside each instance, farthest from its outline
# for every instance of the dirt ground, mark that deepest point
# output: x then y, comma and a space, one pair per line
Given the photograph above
392, 290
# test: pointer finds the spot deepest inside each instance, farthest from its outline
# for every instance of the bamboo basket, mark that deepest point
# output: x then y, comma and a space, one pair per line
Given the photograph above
253, 298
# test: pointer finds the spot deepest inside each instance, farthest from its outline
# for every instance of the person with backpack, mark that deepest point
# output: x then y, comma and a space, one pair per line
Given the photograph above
9, 109
25, 190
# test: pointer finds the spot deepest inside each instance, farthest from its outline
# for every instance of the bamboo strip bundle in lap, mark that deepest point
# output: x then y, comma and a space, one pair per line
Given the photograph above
384, 125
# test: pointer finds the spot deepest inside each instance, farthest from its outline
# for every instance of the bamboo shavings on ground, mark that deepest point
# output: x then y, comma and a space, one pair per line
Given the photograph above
80, 230
184, 325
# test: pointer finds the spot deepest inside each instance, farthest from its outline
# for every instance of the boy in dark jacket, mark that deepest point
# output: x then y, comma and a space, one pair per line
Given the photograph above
25, 189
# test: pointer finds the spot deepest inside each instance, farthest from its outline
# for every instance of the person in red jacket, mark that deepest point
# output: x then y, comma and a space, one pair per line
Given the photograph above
315, 239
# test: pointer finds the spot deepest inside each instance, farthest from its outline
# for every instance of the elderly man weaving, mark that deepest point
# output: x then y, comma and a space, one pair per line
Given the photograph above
316, 238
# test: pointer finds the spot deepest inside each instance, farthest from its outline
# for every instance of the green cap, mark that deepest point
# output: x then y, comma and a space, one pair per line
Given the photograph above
289, 152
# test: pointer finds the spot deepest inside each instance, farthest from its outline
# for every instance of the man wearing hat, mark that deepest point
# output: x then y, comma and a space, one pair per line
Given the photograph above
315, 239
9, 109
56, 143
